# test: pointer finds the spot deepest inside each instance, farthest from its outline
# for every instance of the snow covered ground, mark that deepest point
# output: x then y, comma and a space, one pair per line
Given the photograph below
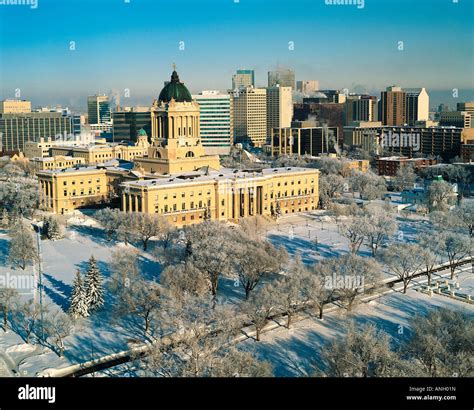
293, 352
104, 334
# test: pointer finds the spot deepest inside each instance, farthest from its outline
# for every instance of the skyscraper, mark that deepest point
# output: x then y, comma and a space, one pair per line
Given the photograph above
98, 108
250, 116
393, 106
282, 77
243, 78
279, 108
15, 106
307, 87
417, 105
360, 108
216, 121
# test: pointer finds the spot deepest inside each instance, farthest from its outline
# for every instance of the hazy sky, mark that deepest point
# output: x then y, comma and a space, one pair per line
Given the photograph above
132, 44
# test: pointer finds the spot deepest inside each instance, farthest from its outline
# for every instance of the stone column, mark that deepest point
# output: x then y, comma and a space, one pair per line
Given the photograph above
136, 204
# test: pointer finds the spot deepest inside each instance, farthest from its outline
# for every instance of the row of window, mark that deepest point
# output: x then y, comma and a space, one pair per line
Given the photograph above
89, 181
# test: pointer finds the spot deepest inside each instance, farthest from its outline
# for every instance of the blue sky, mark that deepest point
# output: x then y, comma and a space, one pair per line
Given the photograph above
132, 45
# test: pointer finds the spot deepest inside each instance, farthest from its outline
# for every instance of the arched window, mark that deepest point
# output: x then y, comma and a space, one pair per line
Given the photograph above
157, 154
189, 154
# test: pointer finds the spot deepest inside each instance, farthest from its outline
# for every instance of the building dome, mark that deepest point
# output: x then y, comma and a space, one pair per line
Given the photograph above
175, 90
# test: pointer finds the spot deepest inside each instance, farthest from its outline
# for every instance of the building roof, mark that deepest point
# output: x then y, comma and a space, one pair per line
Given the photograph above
222, 175
175, 90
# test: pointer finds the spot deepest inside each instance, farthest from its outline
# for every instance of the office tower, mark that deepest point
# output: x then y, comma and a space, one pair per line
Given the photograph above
332, 96
417, 105
279, 108
129, 121
16, 129
304, 138
15, 106
461, 119
250, 116
307, 87
282, 77
466, 107
243, 79
392, 107
360, 108
98, 108
216, 121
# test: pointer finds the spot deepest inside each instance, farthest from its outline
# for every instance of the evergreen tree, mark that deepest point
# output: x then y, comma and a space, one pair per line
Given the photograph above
52, 229
79, 307
94, 287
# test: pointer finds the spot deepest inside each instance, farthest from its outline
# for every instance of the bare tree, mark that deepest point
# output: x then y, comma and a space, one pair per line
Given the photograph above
184, 279
405, 178
142, 300
8, 297
362, 353
457, 247
27, 317
379, 227
440, 196
442, 343
232, 362
23, 248
369, 185
329, 187
313, 284
430, 247
403, 259
258, 308
209, 247
254, 260
353, 275
354, 231
57, 326
124, 269
146, 226
254, 227
287, 291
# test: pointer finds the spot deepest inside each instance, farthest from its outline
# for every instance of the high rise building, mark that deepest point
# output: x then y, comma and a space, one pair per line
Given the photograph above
360, 108
250, 116
98, 108
304, 138
282, 77
467, 107
16, 129
216, 121
460, 119
279, 108
15, 106
129, 121
307, 87
392, 108
417, 105
243, 79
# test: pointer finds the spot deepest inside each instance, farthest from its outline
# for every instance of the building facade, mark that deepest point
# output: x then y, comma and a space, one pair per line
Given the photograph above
15, 106
243, 79
461, 119
17, 129
304, 138
389, 166
279, 108
393, 106
127, 123
98, 109
417, 105
307, 87
225, 195
360, 108
216, 122
250, 116
282, 77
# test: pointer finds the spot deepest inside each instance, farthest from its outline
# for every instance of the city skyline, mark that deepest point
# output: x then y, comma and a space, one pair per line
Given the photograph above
89, 52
